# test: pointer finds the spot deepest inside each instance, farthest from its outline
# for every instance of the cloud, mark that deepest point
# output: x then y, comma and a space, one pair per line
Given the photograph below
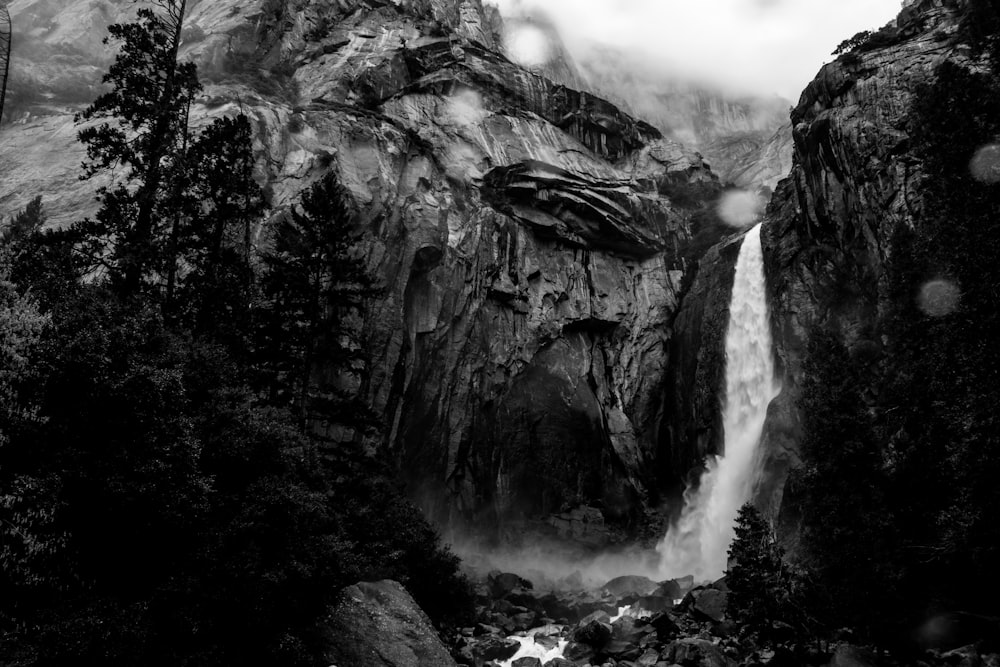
758, 46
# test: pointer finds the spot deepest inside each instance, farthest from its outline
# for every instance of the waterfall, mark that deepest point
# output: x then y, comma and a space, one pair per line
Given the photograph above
698, 543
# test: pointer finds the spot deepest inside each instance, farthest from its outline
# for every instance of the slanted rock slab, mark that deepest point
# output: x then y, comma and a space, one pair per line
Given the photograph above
378, 624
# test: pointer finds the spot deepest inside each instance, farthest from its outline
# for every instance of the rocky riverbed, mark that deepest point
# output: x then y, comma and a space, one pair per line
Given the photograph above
633, 621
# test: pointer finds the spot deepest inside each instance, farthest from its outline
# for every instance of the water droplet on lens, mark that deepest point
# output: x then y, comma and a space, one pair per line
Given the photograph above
740, 208
939, 297
527, 46
985, 164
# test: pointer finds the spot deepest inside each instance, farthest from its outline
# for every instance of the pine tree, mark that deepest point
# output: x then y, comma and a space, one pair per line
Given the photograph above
758, 582
315, 282
213, 239
24, 223
146, 131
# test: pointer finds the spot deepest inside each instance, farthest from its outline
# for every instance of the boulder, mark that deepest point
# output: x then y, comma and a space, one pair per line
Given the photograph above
653, 603
560, 662
685, 583
693, 652
578, 653
496, 648
710, 603
669, 589
665, 626
630, 585
620, 650
527, 662
378, 624
631, 630
524, 620
601, 616
502, 583
481, 629
581, 605
528, 598
649, 658
594, 633
547, 642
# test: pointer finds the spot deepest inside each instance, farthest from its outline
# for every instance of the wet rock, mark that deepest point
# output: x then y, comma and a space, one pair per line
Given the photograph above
575, 607
600, 616
595, 633
496, 648
529, 599
620, 650
709, 603
665, 626
482, 629
578, 652
525, 620
502, 583
627, 629
378, 624
560, 662
696, 653
630, 585
669, 589
648, 658
527, 662
502, 621
653, 603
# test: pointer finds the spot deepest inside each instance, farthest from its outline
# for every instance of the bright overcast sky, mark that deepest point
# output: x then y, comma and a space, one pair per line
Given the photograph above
762, 46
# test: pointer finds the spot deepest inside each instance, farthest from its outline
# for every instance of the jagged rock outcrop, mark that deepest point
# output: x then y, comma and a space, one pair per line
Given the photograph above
528, 236
828, 228
747, 140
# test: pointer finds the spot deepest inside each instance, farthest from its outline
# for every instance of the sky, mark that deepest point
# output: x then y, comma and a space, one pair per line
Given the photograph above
750, 46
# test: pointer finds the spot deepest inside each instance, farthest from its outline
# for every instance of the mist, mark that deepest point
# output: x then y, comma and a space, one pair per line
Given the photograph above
759, 47
552, 564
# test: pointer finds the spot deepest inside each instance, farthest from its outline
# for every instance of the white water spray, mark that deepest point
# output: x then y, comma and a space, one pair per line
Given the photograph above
699, 543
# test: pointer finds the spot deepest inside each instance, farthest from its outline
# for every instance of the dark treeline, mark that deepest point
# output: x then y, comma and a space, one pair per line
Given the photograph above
169, 490
899, 492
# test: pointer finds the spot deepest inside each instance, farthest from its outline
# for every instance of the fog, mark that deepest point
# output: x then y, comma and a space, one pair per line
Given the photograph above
759, 47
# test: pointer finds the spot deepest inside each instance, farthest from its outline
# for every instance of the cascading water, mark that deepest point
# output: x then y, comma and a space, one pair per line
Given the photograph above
699, 543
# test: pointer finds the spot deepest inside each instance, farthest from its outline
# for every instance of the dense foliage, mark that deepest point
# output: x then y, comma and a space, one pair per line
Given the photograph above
163, 500
760, 583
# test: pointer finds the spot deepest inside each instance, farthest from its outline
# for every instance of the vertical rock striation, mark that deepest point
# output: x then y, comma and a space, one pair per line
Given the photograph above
828, 230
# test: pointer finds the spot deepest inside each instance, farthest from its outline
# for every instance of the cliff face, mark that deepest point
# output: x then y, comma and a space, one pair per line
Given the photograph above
854, 180
529, 236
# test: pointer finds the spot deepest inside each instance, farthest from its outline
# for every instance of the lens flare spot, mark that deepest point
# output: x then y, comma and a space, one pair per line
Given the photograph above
465, 107
527, 46
740, 208
938, 297
985, 164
